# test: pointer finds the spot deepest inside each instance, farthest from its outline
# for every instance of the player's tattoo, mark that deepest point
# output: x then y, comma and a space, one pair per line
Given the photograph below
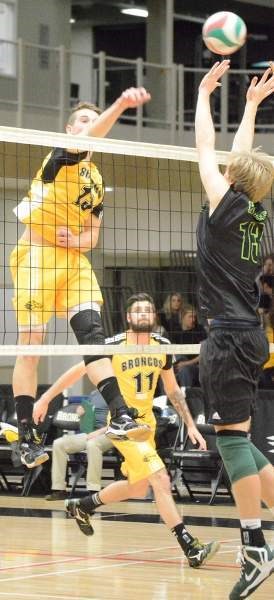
178, 400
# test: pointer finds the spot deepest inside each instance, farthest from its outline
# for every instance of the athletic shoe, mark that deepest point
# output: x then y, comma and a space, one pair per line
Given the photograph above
81, 517
32, 454
256, 565
124, 427
56, 495
198, 553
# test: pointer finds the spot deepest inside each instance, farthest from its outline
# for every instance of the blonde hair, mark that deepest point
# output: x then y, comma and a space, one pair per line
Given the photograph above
189, 309
167, 304
251, 173
80, 106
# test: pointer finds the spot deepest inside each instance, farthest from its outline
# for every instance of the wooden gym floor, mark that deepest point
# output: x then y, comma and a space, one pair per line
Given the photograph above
132, 555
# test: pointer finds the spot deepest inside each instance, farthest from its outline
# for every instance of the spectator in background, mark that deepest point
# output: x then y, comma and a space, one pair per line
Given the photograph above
265, 284
95, 443
171, 315
187, 365
266, 380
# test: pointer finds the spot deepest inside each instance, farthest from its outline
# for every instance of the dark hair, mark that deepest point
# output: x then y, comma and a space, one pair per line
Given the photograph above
140, 297
80, 106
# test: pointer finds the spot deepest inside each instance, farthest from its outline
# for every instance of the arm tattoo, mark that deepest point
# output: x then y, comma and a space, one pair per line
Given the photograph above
178, 400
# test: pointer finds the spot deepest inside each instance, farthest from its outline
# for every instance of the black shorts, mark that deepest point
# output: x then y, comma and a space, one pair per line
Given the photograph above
230, 362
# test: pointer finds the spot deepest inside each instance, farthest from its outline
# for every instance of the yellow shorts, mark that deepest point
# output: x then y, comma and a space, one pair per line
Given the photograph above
141, 458
50, 280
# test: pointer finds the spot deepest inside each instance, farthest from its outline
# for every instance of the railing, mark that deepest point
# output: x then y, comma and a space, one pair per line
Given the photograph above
39, 83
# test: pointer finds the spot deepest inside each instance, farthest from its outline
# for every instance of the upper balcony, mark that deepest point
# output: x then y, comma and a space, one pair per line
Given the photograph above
38, 85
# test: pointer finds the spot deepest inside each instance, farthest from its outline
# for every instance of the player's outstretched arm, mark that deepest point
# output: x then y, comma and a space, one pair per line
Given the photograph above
66, 380
130, 98
213, 181
177, 398
258, 90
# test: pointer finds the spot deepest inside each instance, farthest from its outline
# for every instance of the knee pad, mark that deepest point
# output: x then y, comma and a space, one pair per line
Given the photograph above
88, 329
235, 450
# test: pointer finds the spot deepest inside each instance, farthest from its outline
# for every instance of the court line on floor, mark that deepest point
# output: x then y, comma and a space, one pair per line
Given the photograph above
42, 564
111, 556
47, 596
117, 557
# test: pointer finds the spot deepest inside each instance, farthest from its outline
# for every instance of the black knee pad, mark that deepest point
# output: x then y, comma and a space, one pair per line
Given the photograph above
88, 329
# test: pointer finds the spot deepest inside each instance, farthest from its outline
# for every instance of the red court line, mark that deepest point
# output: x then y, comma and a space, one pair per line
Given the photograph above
42, 564
169, 562
117, 558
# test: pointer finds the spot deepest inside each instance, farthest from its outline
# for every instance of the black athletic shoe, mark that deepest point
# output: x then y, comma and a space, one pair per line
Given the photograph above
125, 428
198, 554
256, 565
56, 495
32, 454
81, 517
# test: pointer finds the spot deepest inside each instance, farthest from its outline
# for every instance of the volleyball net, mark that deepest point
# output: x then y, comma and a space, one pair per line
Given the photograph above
147, 243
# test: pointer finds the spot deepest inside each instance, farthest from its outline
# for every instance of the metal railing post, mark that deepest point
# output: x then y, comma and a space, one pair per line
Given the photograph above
173, 102
20, 83
181, 103
62, 84
139, 111
224, 111
102, 80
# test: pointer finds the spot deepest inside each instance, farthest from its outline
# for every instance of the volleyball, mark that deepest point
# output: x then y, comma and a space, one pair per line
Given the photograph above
224, 33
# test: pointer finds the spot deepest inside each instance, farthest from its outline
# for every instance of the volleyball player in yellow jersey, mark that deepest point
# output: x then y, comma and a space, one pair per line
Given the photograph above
137, 376
51, 274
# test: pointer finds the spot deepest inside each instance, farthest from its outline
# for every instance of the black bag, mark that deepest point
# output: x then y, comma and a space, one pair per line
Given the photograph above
167, 423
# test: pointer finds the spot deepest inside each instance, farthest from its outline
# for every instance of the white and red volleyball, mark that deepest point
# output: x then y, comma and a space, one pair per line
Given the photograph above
224, 33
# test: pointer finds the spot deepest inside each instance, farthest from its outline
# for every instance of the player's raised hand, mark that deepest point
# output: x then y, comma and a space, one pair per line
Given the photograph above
211, 80
134, 97
259, 89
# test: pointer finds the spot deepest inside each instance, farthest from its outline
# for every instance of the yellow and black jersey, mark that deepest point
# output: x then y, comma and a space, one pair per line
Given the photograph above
138, 374
65, 191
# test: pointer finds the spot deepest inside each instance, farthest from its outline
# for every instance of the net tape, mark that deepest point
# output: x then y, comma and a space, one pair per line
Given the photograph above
100, 350
63, 140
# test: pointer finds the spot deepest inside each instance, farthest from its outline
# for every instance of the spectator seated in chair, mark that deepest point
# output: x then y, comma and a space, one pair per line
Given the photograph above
170, 316
186, 367
94, 442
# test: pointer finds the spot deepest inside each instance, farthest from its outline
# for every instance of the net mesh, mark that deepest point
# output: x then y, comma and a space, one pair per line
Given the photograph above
147, 240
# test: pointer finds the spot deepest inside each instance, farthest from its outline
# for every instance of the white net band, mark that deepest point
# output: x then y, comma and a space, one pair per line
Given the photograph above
63, 140
108, 350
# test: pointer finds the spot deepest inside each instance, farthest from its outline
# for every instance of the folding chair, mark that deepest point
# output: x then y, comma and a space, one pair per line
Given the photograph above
188, 459
193, 465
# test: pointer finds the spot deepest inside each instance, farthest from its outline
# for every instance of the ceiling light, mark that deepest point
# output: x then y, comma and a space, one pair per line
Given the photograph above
72, 20
133, 11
